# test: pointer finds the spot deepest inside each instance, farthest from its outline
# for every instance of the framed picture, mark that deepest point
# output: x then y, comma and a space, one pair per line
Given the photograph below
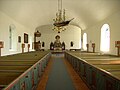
19, 39
25, 38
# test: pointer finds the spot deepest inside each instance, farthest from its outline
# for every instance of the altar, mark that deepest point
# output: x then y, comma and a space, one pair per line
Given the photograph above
57, 45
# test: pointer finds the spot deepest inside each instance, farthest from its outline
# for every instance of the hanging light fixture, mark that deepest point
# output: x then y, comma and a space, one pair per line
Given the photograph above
60, 21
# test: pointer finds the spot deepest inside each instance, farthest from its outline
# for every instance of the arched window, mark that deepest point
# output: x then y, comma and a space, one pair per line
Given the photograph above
84, 41
105, 38
12, 38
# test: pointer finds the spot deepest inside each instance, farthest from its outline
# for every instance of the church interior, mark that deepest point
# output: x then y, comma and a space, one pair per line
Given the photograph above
59, 45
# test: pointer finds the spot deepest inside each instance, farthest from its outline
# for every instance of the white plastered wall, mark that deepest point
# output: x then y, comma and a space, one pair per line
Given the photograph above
5, 22
94, 32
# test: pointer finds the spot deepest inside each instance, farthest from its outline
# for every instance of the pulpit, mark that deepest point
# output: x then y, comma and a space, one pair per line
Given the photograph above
37, 44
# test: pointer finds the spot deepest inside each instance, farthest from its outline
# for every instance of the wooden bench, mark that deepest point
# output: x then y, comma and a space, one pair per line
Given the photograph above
16, 62
100, 72
29, 56
109, 67
6, 77
103, 62
116, 74
16, 67
25, 66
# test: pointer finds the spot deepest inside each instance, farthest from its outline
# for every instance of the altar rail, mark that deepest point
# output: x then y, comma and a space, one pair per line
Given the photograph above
96, 78
24, 75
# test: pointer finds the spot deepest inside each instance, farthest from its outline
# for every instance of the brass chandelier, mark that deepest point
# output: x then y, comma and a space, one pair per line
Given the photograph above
60, 20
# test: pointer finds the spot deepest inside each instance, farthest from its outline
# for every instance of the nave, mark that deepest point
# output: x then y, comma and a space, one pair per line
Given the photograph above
35, 33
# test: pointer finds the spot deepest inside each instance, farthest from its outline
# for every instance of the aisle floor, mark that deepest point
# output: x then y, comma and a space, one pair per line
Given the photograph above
59, 78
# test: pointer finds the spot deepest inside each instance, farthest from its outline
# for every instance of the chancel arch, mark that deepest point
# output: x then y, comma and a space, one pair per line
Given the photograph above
72, 33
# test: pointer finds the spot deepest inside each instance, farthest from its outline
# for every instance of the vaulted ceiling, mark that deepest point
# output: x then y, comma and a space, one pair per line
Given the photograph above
35, 13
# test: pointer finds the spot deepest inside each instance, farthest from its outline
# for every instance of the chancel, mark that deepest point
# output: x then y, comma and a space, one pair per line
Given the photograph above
59, 45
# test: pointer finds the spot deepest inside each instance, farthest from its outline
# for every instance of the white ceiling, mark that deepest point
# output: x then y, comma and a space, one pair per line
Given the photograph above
34, 13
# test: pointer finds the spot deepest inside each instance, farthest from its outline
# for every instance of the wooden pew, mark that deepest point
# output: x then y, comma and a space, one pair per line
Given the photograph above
109, 67
17, 62
15, 67
22, 69
25, 56
100, 76
94, 70
103, 62
94, 56
6, 77
116, 74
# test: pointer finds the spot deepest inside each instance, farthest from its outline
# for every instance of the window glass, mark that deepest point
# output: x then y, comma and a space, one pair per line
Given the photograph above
105, 38
84, 41
12, 38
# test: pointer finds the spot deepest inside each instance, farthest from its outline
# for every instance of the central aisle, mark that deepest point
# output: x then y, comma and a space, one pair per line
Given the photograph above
59, 78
